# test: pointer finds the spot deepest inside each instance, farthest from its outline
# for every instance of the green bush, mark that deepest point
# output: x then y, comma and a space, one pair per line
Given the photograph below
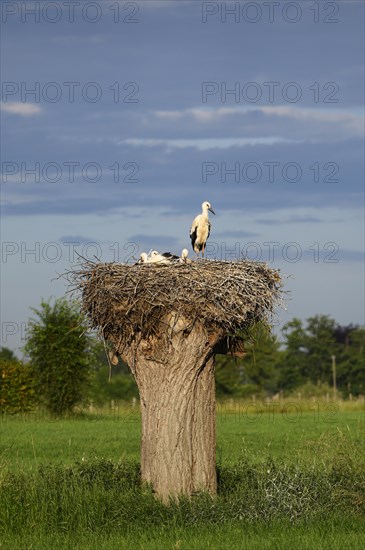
16, 387
61, 353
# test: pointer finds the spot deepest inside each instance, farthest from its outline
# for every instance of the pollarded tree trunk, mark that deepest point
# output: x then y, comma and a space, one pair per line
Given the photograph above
175, 377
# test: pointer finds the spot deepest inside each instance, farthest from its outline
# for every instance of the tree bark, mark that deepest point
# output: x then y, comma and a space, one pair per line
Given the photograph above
175, 377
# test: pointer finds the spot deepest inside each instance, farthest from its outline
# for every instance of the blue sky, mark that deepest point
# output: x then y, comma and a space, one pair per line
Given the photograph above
133, 122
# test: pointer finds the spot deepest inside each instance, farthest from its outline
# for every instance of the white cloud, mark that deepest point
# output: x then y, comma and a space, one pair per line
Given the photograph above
201, 114
203, 144
352, 120
22, 109
169, 115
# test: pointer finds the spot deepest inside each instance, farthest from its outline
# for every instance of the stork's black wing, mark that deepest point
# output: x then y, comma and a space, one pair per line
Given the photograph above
193, 235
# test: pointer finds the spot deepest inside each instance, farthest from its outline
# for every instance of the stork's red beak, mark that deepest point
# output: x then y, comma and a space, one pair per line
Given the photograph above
211, 210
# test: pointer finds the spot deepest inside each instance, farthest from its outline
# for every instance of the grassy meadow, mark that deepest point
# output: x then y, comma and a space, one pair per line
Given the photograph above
290, 474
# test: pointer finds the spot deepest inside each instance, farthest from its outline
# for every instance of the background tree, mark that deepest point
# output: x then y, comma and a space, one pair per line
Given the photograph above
7, 354
260, 366
307, 358
320, 344
61, 353
351, 360
228, 376
107, 383
257, 372
293, 368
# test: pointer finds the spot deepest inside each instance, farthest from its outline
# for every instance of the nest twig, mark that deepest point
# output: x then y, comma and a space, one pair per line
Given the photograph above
122, 301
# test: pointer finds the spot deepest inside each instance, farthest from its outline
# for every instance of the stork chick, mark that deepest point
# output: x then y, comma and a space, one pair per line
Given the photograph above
184, 256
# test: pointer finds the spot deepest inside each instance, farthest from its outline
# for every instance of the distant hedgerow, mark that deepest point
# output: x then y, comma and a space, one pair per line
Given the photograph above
17, 392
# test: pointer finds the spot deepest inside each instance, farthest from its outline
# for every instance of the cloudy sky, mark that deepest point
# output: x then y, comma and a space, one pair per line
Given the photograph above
119, 118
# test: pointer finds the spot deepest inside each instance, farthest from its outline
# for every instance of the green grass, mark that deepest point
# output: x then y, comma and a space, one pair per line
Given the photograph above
335, 533
31, 439
285, 480
259, 430
256, 430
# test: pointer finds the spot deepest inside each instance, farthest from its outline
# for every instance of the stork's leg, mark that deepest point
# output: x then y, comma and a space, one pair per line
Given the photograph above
203, 250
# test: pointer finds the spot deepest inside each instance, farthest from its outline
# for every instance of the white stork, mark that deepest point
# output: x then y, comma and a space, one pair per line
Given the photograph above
165, 258
200, 229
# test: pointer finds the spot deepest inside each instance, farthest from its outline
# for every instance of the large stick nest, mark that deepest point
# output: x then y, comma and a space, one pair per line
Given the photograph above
122, 301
